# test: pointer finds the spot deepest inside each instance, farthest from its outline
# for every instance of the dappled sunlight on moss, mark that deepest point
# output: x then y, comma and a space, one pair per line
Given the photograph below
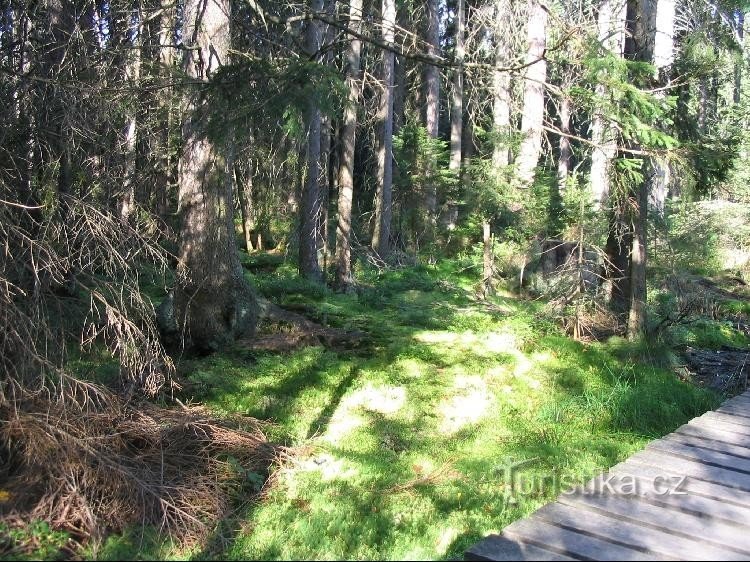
384, 400
405, 440
470, 402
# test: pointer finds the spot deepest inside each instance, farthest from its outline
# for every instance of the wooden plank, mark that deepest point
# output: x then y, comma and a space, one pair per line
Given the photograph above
572, 542
718, 446
710, 423
569, 542
664, 518
634, 535
729, 418
496, 547
714, 434
694, 469
707, 456
686, 495
738, 402
694, 486
740, 398
706, 517
735, 411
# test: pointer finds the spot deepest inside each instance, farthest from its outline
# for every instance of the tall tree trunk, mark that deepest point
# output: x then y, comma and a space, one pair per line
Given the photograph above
645, 38
53, 118
309, 267
326, 153
381, 240
213, 302
161, 59
129, 136
501, 89
346, 163
737, 90
457, 105
663, 56
533, 95
432, 100
611, 33
24, 114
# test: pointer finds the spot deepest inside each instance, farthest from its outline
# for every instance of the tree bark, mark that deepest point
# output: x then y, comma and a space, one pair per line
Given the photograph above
501, 90
637, 313
212, 303
663, 56
643, 38
346, 163
161, 59
611, 32
131, 72
247, 199
737, 90
381, 240
432, 99
488, 262
457, 105
310, 207
533, 97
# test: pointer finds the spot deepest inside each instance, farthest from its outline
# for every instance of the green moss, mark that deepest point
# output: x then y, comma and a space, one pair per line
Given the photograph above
403, 446
410, 436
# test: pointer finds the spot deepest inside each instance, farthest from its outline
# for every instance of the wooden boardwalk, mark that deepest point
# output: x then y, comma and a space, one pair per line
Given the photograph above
685, 497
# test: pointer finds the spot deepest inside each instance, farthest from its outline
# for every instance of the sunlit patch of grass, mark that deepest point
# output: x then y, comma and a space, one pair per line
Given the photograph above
408, 441
711, 334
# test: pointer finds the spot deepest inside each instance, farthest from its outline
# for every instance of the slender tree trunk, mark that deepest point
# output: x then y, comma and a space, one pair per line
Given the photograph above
400, 93
24, 115
533, 96
164, 110
310, 210
737, 91
663, 56
611, 32
325, 189
457, 105
381, 240
326, 137
565, 152
488, 263
637, 313
432, 99
129, 135
213, 302
53, 118
346, 163
501, 90
247, 200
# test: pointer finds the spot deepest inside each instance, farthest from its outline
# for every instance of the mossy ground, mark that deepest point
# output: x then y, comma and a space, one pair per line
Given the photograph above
404, 444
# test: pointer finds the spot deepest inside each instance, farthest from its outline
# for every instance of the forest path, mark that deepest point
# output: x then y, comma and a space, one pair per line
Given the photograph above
686, 496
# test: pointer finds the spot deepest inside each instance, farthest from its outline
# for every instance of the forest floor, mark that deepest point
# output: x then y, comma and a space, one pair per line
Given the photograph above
403, 443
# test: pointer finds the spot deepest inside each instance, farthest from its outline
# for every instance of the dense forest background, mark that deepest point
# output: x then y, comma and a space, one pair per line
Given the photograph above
189, 184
